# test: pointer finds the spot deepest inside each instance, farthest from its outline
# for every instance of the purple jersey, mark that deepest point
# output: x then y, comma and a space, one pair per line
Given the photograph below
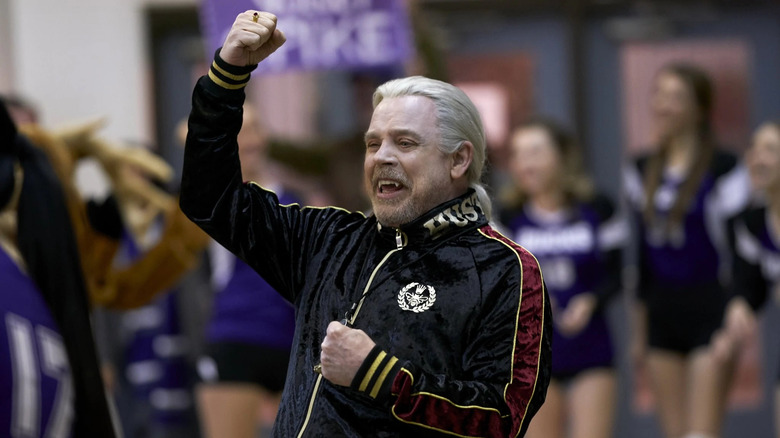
155, 357
578, 251
695, 254
36, 389
247, 309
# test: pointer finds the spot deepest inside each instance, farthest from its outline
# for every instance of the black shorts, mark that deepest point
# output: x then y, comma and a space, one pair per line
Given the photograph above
244, 363
682, 320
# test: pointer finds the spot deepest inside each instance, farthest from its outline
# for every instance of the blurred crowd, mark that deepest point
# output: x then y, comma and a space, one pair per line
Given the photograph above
190, 341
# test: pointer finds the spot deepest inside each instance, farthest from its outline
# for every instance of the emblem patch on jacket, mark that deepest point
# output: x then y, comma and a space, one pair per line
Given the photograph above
416, 297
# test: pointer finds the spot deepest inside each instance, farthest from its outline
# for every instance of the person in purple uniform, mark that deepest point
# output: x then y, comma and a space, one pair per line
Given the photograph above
756, 245
155, 387
50, 382
251, 330
682, 194
577, 236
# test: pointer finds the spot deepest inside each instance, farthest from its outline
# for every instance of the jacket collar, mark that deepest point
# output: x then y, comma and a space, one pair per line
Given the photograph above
458, 214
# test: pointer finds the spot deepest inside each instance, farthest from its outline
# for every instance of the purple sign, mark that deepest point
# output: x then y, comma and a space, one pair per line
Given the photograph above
321, 34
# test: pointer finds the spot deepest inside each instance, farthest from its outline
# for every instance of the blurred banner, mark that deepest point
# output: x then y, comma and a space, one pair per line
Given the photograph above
321, 34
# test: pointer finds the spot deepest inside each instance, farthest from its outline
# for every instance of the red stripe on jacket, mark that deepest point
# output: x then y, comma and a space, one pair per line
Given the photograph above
430, 411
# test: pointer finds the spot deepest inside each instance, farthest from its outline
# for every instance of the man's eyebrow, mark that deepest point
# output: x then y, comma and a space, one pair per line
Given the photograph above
405, 132
370, 135
395, 133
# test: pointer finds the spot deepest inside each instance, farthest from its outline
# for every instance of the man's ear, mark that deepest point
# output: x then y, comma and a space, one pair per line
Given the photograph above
461, 160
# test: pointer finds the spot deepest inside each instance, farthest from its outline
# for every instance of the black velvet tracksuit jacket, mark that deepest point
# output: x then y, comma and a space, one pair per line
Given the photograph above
459, 312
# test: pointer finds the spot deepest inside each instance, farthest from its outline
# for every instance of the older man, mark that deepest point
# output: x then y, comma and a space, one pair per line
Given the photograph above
420, 320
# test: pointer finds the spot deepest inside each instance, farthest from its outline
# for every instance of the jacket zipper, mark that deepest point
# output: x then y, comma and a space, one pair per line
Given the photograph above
311, 405
399, 245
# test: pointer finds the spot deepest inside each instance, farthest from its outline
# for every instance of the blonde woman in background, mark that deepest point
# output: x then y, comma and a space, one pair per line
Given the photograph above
756, 240
577, 237
682, 194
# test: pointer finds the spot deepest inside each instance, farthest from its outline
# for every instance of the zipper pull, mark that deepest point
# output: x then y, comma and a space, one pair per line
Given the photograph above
399, 240
348, 315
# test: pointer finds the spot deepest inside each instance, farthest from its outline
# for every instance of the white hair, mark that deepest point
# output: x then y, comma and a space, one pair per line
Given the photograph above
458, 121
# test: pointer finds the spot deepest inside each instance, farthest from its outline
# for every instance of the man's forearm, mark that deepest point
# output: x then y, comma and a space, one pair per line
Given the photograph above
211, 163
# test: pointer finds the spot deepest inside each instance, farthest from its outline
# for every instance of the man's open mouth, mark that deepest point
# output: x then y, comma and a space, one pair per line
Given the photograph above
387, 186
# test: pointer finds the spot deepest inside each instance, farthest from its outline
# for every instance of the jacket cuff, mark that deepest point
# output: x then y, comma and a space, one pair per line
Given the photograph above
376, 374
227, 76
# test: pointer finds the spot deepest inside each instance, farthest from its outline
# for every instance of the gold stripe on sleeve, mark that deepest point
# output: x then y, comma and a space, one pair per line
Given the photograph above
372, 370
225, 73
224, 84
382, 377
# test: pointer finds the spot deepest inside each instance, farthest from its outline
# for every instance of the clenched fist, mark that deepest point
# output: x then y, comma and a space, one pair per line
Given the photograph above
250, 41
343, 351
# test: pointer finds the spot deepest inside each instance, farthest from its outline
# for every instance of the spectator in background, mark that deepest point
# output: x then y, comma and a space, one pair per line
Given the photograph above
756, 245
577, 236
682, 194
251, 330
134, 203
147, 362
50, 381
97, 227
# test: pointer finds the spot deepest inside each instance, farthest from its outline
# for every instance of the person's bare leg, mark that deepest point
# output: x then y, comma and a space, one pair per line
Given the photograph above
667, 377
267, 410
550, 421
229, 410
592, 404
709, 383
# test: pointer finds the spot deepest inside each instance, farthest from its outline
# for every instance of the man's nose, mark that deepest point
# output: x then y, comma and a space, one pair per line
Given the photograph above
386, 154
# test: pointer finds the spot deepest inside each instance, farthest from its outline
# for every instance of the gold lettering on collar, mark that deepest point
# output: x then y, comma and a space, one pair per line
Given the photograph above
436, 224
458, 214
456, 218
468, 208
